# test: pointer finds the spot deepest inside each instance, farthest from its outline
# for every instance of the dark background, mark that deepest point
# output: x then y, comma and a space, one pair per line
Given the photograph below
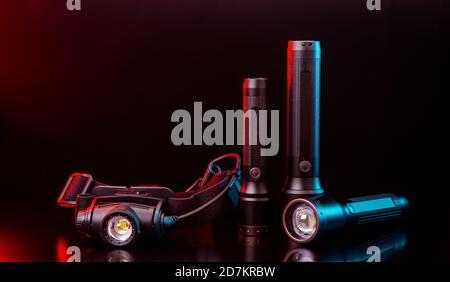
93, 91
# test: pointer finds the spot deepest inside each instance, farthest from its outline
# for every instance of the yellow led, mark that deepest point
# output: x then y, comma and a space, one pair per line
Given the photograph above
123, 224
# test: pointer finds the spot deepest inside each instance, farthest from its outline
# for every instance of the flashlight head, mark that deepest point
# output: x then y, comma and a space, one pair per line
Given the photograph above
119, 229
304, 219
301, 220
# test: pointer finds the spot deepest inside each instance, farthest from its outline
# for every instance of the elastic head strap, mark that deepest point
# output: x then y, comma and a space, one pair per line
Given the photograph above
217, 192
83, 183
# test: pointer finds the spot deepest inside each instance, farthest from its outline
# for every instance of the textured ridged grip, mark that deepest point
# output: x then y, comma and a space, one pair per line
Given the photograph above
375, 208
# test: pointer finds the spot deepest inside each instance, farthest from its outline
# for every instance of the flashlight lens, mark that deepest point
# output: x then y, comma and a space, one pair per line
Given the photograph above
304, 221
120, 228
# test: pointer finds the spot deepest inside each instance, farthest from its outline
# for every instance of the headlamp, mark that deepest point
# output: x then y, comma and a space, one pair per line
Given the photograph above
306, 219
119, 214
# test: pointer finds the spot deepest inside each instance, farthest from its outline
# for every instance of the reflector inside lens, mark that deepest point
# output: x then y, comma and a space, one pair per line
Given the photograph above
304, 220
120, 228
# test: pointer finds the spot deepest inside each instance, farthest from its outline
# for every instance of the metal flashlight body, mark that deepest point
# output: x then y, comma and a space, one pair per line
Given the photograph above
255, 202
305, 219
303, 120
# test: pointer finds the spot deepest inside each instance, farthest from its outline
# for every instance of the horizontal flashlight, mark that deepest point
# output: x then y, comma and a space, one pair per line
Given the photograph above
306, 219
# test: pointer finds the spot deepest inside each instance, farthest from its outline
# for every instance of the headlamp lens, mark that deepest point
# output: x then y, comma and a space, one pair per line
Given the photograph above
304, 220
120, 228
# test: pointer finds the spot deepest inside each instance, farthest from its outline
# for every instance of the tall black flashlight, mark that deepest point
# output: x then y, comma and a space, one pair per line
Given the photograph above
255, 202
303, 119
304, 219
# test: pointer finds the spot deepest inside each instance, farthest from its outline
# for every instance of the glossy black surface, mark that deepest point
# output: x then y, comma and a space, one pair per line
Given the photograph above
47, 236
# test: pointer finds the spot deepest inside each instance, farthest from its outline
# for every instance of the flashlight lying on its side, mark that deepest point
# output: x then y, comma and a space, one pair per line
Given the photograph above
305, 219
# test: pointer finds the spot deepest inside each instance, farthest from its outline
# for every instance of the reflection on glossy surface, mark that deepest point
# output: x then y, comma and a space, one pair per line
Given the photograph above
210, 243
216, 242
390, 247
197, 244
257, 248
119, 256
61, 250
300, 255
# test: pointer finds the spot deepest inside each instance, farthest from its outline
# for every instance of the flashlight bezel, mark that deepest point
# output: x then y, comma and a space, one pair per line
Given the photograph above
113, 241
288, 222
